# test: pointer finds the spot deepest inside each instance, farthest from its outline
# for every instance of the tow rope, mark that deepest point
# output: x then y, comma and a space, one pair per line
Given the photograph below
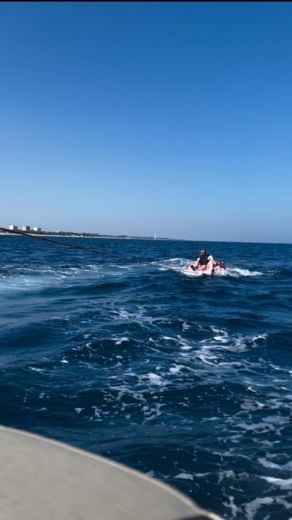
71, 246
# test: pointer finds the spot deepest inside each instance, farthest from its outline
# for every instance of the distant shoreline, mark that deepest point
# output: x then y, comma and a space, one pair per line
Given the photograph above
60, 235
113, 237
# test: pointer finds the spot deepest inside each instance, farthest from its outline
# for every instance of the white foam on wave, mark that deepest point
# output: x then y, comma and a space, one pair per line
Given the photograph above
15, 279
186, 326
235, 343
259, 427
191, 274
272, 465
119, 341
251, 510
33, 279
152, 412
211, 351
251, 406
176, 369
156, 379
277, 420
279, 482
78, 410
179, 265
170, 263
138, 315
233, 272
232, 506
252, 507
184, 476
220, 335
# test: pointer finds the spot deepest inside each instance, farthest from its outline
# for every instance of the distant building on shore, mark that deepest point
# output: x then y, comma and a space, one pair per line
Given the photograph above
36, 229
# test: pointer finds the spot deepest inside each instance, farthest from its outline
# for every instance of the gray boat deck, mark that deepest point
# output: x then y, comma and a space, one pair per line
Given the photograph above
41, 479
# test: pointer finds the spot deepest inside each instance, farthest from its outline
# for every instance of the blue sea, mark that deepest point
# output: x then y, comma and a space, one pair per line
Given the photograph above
186, 378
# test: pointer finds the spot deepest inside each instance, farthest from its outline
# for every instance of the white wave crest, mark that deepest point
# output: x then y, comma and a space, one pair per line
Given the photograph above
179, 265
15, 279
279, 482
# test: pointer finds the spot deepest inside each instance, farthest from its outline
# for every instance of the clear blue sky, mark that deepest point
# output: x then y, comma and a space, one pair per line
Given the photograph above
166, 118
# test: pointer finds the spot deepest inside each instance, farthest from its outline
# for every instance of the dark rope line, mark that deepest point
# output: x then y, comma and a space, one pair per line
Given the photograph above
71, 246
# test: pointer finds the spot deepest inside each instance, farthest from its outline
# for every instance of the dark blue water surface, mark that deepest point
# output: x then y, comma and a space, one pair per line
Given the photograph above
185, 378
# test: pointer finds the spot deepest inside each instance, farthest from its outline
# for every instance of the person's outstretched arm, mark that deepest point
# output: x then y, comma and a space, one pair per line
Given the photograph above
196, 263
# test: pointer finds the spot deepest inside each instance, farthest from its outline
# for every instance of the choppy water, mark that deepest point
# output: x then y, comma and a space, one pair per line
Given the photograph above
185, 378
